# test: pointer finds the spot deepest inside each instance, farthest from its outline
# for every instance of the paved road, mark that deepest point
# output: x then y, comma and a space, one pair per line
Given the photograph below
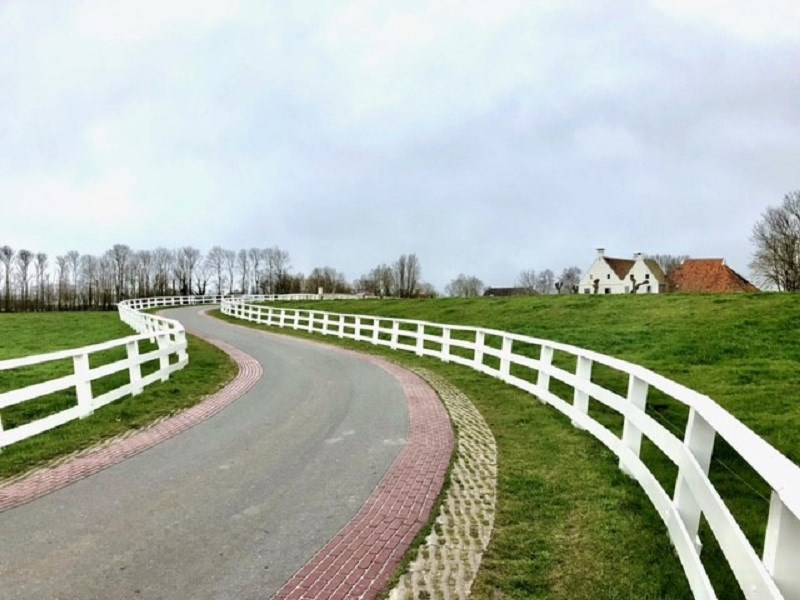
232, 507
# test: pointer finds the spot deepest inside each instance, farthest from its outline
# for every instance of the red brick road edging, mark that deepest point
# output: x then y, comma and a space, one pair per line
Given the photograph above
359, 561
48, 480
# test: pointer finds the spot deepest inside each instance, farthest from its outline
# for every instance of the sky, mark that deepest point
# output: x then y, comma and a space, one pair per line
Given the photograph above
488, 137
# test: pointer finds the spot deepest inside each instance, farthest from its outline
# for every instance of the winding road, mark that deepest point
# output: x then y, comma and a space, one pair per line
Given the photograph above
232, 507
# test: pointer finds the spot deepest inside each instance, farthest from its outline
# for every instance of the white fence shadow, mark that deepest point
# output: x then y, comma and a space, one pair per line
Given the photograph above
775, 575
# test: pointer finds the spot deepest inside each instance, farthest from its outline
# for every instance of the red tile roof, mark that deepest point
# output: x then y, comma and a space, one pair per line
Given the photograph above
708, 275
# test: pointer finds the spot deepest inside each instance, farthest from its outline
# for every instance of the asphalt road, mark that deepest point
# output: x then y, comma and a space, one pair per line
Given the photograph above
231, 508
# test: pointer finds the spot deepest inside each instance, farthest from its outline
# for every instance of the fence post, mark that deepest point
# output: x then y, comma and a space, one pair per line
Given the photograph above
699, 441
311, 321
282, 319
505, 358
376, 330
341, 326
480, 340
782, 547
180, 338
420, 345
395, 334
543, 378
357, 329
445, 344
325, 323
580, 399
631, 435
83, 387
163, 354
134, 367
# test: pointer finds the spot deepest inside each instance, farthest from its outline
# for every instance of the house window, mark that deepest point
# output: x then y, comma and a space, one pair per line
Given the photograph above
627, 289
608, 290
649, 289
647, 276
608, 276
587, 291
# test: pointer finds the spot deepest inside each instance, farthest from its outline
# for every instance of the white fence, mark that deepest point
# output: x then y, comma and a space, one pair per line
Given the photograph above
776, 575
167, 333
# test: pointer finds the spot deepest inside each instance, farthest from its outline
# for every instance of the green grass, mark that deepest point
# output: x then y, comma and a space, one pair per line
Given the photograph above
25, 334
569, 524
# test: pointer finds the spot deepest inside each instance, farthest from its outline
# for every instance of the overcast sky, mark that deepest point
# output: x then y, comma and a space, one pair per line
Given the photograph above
487, 136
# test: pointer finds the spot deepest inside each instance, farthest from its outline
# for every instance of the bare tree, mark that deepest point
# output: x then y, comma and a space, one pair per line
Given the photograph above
243, 260
327, 278
6, 256
776, 258
230, 266
162, 261
186, 261
120, 256
73, 257
569, 280
24, 258
257, 257
144, 261
407, 272
378, 282
466, 286
89, 277
202, 275
545, 282
216, 261
384, 277
527, 281
278, 267
40, 266
62, 275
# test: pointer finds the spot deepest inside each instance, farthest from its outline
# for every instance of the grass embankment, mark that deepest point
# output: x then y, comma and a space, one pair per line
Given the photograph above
569, 524
38, 333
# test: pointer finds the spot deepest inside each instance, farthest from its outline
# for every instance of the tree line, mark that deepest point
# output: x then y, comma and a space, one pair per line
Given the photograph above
31, 281
529, 282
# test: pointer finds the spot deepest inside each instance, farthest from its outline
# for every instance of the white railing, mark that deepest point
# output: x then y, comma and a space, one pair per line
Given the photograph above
167, 333
776, 575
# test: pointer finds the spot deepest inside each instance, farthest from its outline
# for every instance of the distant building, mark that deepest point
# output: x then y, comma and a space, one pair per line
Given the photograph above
623, 276
709, 275
508, 291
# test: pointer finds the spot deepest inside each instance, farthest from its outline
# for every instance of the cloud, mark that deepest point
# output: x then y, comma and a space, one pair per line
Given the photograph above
487, 138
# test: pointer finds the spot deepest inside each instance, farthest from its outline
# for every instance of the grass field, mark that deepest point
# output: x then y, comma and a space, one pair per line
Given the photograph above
28, 333
569, 524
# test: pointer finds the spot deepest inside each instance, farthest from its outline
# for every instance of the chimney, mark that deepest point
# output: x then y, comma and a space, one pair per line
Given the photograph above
601, 252
637, 255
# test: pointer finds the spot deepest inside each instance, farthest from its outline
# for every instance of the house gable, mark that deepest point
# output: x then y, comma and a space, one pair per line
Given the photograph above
622, 276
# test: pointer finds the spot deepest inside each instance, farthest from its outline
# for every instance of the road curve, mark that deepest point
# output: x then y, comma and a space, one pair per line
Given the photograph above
231, 508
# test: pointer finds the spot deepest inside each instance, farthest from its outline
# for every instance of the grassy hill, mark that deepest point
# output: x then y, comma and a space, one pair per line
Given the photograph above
568, 525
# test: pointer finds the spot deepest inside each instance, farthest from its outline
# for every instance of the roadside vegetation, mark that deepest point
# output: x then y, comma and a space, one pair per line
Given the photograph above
569, 523
25, 334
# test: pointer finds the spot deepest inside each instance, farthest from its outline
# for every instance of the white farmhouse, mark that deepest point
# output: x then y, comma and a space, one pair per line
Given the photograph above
623, 276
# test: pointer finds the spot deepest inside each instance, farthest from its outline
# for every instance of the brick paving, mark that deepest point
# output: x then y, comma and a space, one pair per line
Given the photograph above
84, 464
359, 561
